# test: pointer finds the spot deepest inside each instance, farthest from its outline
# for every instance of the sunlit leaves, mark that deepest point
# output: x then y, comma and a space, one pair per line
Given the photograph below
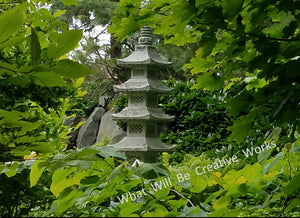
10, 23
221, 202
36, 171
69, 2
65, 201
280, 20
70, 69
197, 184
237, 39
63, 43
48, 79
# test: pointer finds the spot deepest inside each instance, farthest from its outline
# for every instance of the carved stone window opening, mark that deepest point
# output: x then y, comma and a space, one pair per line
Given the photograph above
136, 99
136, 129
138, 71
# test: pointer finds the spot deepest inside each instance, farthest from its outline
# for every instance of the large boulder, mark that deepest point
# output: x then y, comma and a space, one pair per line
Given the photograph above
109, 128
88, 131
73, 121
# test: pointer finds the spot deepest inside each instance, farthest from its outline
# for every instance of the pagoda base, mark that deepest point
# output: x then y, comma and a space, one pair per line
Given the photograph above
142, 143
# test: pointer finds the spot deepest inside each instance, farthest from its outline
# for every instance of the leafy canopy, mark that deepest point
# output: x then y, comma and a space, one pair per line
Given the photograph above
240, 41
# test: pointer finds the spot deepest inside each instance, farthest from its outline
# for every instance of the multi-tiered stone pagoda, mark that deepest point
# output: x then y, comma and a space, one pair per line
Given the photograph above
142, 114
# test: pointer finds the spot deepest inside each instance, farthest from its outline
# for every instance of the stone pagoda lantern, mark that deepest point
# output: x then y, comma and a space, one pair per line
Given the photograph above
142, 114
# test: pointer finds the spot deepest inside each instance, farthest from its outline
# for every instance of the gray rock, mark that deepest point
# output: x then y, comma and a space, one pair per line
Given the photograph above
109, 128
70, 121
103, 100
88, 131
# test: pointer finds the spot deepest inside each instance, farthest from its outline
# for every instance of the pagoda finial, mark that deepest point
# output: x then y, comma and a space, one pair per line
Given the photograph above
146, 36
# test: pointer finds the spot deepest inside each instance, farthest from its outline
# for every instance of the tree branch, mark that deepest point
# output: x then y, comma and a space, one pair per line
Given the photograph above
130, 46
181, 195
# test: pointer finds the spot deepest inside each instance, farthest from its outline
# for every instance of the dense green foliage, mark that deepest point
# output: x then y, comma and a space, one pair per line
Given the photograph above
37, 84
246, 97
254, 42
200, 120
87, 182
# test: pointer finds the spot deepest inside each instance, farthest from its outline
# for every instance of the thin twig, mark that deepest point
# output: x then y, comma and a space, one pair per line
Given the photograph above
181, 195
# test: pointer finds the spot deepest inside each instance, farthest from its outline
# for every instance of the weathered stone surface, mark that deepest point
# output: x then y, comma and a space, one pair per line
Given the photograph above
103, 101
143, 113
109, 128
88, 131
73, 134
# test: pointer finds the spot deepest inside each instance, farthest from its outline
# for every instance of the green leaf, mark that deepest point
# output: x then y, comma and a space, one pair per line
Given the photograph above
70, 69
281, 20
238, 103
65, 201
198, 184
269, 165
294, 203
263, 156
276, 131
117, 172
241, 126
60, 12
109, 151
120, 31
64, 43
22, 81
252, 172
209, 81
221, 202
10, 23
12, 169
44, 147
201, 2
69, 2
59, 181
48, 79
151, 171
128, 208
9, 67
86, 153
29, 139
200, 65
293, 185
35, 48
256, 83
89, 180
37, 170
12, 42
231, 8
213, 196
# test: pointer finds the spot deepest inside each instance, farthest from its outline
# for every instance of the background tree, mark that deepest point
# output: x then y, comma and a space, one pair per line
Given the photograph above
101, 56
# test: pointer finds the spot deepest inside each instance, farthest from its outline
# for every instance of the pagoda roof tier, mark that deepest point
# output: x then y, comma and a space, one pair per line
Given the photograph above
142, 143
143, 54
143, 85
142, 113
